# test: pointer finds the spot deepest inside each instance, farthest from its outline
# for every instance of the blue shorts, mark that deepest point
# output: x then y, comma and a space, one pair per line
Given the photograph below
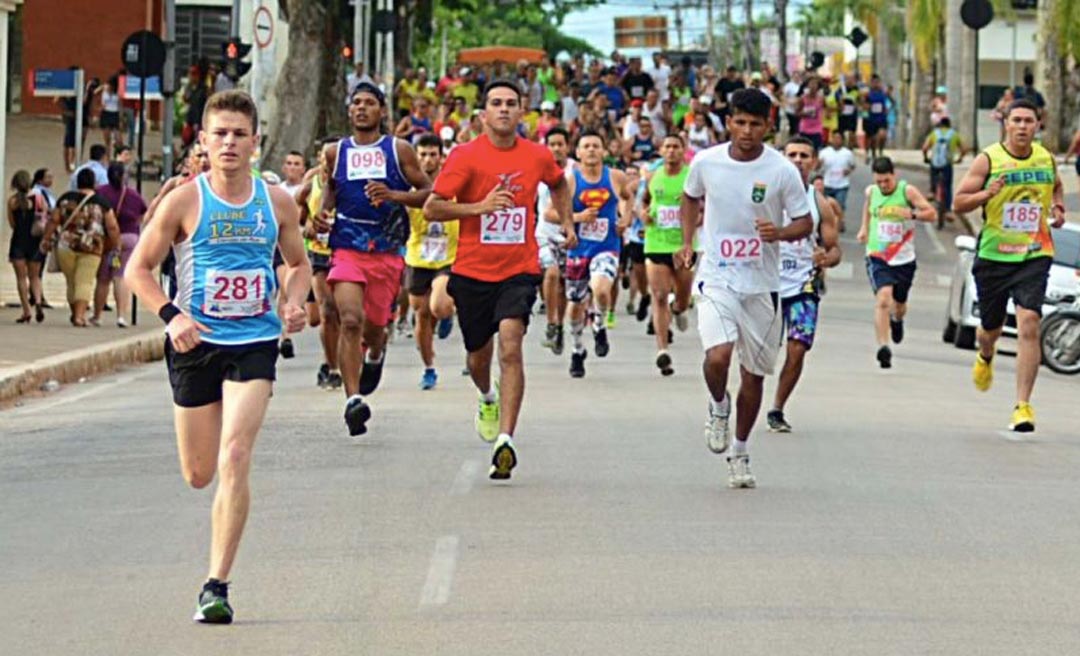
801, 318
899, 277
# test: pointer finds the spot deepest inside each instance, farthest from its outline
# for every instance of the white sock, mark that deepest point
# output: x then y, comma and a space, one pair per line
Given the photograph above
488, 397
503, 435
577, 329
741, 448
722, 408
368, 359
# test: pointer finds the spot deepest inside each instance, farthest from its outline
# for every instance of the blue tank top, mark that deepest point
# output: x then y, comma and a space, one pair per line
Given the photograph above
423, 123
359, 225
646, 147
225, 273
877, 101
599, 236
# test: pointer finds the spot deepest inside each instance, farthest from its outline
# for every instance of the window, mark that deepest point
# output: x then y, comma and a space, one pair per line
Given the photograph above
1067, 248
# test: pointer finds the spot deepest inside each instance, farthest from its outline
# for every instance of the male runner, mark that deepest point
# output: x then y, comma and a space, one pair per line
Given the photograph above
837, 164
370, 176
490, 185
801, 266
876, 121
593, 264
1017, 185
551, 240
430, 252
746, 188
292, 180
888, 230
663, 236
222, 331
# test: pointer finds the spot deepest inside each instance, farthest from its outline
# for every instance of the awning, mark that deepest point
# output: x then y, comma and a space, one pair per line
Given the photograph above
492, 54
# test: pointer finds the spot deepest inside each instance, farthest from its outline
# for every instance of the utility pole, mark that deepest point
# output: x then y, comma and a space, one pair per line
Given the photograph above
234, 20
678, 23
710, 27
168, 88
359, 54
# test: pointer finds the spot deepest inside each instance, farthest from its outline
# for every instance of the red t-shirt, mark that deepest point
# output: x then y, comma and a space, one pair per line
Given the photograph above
497, 246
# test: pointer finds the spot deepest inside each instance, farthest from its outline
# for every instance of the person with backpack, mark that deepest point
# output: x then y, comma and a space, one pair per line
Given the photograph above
943, 147
26, 214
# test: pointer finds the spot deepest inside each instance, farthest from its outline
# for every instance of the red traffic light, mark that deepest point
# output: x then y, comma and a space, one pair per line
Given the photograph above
230, 50
346, 52
235, 49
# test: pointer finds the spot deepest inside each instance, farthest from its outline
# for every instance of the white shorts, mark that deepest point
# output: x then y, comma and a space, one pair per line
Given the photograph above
753, 322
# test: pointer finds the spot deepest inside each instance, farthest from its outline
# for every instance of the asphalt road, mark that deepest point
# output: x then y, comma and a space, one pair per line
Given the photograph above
899, 518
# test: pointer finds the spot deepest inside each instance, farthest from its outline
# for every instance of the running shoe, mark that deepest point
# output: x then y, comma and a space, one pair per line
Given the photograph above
777, 422
982, 374
121, 322
333, 380
503, 459
428, 380
371, 375
602, 344
663, 363
560, 341
549, 336
896, 328
288, 351
717, 429
1023, 418
324, 373
357, 414
739, 474
884, 357
650, 329
445, 327
643, 307
487, 419
609, 320
213, 604
682, 322
577, 364
630, 309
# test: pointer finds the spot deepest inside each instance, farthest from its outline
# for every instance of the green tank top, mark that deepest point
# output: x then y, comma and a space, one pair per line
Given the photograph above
663, 234
892, 237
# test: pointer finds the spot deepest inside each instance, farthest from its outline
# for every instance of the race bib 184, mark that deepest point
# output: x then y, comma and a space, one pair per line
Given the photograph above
503, 227
235, 294
366, 164
890, 232
1022, 217
668, 217
739, 250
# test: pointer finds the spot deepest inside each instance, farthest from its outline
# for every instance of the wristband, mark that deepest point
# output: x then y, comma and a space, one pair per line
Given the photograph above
168, 312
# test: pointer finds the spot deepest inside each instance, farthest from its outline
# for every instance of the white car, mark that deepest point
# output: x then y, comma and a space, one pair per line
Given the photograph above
962, 312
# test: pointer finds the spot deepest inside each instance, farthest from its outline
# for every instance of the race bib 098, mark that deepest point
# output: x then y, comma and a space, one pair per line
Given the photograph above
366, 164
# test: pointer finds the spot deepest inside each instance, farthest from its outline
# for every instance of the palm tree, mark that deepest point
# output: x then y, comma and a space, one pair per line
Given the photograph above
1057, 45
924, 20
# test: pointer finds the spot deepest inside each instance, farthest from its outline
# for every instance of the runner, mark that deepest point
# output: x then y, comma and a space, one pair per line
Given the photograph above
490, 184
663, 236
942, 148
430, 252
318, 248
370, 176
888, 230
292, 181
1016, 184
222, 332
837, 164
746, 189
876, 121
593, 265
551, 240
801, 265
632, 263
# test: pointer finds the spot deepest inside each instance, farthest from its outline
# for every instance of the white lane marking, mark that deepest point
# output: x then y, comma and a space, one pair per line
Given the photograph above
1013, 436
436, 590
842, 271
931, 232
79, 396
464, 480
944, 280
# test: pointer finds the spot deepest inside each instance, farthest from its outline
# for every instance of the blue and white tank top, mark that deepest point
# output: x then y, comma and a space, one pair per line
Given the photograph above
797, 270
360, 225
224, 270
600, 236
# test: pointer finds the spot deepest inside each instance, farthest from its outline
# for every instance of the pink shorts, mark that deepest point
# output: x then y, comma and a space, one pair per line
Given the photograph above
378, 273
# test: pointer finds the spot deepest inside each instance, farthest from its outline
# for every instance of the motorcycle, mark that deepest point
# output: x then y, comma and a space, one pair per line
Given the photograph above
1059, 336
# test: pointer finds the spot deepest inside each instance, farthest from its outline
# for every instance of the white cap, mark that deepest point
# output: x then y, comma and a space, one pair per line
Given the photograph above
547, 106
446, 133
465, 70
707, 99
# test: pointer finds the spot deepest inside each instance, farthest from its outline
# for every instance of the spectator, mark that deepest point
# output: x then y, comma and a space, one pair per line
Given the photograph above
681, 94
446, 84
407, 89
547, 120
354, 79
467, 88
729, 84
939, 105
661, 75
417, 122
109, 122
129, 208
1002, 109
194, 96
811, 109
42, 186
86, 225
549, 78
97, 164
701, 133
26, 214
637, 82
533, 90
617, 98
653, 109
568, 101
631, 124
68, 109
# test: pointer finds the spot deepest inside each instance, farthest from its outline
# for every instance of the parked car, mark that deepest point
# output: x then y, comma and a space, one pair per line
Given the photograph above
962, 312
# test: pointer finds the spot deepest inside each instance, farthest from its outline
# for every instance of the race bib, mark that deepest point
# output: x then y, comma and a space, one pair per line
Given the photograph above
848, 110
834, 178
434, 249
890, 232
877, 108
323, 238
637, 92
366, 164
594, 231
668, 217
789, 264
503, 227
235, 294
1022, 217
740, 250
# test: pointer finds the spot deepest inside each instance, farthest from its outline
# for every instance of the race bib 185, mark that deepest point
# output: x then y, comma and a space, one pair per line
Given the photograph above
503, 227
235, 294
1022, 217
366, 164
740, 250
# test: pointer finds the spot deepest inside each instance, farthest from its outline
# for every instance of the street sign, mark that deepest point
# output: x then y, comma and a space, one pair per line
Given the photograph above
143, 54
383, 20
857, 37
53, 83
976, 14
130, 87
264, 26
641, 32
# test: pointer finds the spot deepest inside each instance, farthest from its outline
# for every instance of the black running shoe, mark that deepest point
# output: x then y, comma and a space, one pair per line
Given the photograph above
357, 414
577, 365
213, 604
884, 357
777, 423
333, 380
650, 329
559, 342
371, 376
896, 327
663, 363
643, 308
324, 372
602, 344
549, 336
287, 349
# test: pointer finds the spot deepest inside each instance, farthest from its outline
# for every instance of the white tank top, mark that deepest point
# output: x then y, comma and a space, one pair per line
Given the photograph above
699, 139
110, 102
797, 257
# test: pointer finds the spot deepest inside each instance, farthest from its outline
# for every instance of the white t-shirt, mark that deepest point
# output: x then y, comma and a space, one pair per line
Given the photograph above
791, 96
292, 189
656, 115
630, 128
569, 110
545, 230
736, 194
661, 78
835, 165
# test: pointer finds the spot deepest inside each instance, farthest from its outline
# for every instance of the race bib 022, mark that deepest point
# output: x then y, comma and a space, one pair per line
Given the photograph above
503, 227
739, 250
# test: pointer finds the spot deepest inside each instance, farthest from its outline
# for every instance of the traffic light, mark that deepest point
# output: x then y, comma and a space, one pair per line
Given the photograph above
234, 50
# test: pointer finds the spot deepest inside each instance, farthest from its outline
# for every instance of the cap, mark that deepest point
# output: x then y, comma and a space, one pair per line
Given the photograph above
547, 106
942, 90
756, 76
446, 133
465, 70
706, 99
637, 102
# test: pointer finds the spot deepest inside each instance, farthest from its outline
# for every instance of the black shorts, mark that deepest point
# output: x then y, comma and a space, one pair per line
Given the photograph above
69, 132
632, 252
872, 126
110, 120
996, 282
197, 376
319, 263
482, 305
899, 277
668, 259
278, 260
418, 280
847, 124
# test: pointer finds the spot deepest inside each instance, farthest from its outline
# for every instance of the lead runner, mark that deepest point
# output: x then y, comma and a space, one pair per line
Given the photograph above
221, 348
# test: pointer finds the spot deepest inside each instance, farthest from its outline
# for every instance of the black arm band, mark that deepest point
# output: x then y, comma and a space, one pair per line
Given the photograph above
168, 312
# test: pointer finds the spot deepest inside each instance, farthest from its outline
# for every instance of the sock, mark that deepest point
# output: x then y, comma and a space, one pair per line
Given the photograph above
504, 435
722, 408
429, 369
576, 330
741, 448
487, 397
354, 398
369, 360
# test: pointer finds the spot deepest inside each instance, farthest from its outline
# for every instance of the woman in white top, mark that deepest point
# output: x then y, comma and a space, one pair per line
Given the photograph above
110, 113
700, 134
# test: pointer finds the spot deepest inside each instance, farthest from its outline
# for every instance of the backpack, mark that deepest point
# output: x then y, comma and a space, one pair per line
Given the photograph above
941, 155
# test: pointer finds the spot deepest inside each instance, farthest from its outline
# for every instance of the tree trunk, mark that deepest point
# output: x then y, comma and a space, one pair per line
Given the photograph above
955, 78
967, 95
1048, 75
748, 27
781, 28
922, 90
729, 31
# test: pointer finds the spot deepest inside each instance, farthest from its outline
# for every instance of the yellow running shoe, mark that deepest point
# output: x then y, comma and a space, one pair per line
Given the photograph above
487, 419
982, 373
1023, 418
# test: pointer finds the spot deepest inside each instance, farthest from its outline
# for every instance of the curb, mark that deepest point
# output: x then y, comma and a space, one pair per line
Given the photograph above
921, 168
70, 366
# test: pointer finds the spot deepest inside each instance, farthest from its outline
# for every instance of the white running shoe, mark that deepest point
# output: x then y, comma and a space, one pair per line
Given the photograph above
682, 322
739, 474
503, 459
717, 430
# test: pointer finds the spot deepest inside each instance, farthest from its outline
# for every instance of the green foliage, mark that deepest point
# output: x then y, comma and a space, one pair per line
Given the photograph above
924, 21
1067, 20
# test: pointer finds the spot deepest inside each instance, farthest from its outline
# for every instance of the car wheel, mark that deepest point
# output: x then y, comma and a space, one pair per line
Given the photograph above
965, 337
948, 335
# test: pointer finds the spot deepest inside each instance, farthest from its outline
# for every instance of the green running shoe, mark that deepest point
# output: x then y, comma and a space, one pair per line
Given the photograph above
487, 419
213, 606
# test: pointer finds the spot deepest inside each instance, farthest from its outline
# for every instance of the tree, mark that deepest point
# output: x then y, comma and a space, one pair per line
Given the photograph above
1057, 45
781, 17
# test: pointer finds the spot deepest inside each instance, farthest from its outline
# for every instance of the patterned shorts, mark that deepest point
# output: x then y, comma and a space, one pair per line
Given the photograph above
801, 318
581, 270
